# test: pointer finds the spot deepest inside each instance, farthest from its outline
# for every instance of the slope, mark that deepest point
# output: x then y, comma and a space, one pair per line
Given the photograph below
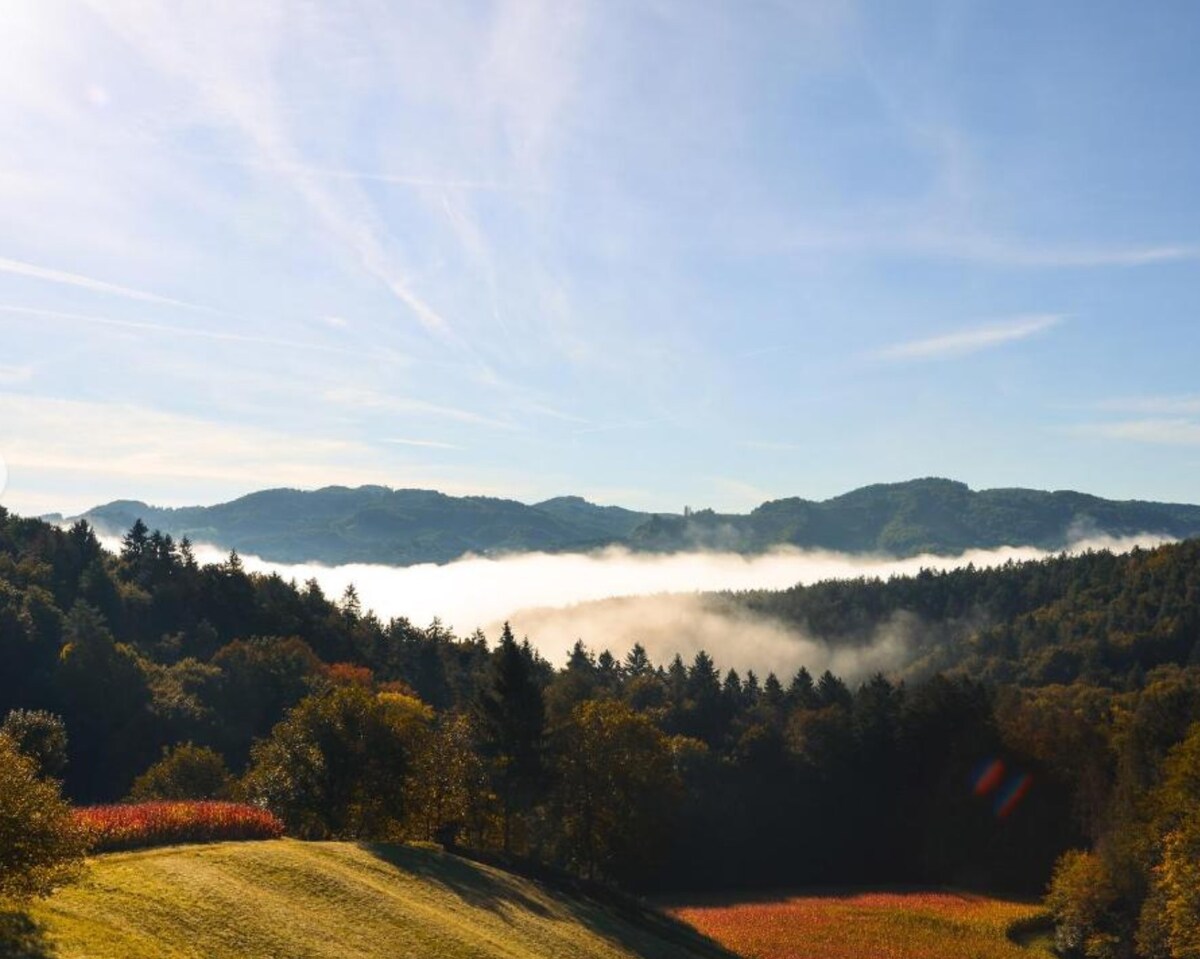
330, 901
369, 524
373, 524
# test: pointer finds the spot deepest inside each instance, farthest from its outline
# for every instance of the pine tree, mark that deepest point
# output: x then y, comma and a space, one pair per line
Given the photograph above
187, 555
351, 604
133, 546
637, 663
802, 693
512, 720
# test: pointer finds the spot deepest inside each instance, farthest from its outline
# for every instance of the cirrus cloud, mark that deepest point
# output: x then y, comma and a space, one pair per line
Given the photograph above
972, 340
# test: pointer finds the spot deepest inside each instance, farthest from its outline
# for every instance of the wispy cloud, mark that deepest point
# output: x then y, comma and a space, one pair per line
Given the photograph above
106, 450
11, 375
1010, 253
770, 446
19, 268
1182, 405
625, 425
428, 444
235, 84
165, 329
1155, 431
904, 241
973, 340
366, 399
135, 443
544, 409
396, 179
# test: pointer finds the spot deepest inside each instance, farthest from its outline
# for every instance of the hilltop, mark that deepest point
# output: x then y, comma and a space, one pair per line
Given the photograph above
331, 901
375, 524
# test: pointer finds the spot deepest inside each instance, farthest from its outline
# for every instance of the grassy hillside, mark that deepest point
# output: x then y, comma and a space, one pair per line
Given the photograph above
317, 900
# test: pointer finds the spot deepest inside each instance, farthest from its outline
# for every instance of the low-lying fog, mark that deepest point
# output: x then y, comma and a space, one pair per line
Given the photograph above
613, 598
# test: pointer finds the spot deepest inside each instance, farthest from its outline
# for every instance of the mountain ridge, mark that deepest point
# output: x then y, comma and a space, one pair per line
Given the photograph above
377, 524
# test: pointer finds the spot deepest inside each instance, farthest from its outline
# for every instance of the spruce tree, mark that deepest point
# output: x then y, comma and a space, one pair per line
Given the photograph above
511, 721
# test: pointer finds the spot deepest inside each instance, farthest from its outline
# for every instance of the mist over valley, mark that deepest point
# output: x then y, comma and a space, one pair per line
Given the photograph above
672, 604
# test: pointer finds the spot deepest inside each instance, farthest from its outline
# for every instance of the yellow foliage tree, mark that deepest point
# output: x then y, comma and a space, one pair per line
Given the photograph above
41, 846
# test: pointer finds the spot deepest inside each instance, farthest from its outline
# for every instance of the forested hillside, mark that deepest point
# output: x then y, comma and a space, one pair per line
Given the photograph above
1097, 617
373, 524
1061, 716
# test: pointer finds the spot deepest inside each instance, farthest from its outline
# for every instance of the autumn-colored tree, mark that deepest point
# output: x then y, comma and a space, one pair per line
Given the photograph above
185, 772
41, 736
1084, 903
447, 787
616, 789
41, 846
349, 674
1170, 921
337, 764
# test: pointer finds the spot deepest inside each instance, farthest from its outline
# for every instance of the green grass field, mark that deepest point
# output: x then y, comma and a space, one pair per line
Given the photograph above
290, 900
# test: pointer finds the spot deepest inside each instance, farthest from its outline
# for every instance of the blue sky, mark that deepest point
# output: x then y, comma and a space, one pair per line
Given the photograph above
651, 252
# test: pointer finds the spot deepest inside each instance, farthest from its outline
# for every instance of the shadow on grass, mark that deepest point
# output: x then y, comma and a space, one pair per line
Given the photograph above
647, 932
458, 876
767, 896
1034, 931
22, 938
611, 914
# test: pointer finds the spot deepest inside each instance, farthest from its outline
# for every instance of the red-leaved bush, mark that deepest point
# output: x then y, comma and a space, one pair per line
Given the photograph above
139, 825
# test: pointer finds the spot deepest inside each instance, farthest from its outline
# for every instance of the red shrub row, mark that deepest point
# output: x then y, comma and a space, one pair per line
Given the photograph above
167, 823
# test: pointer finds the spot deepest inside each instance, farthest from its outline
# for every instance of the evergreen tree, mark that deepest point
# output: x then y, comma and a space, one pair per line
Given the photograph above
802, 693
704, 685
637, 663
135, 543
187, 556
831, 691
511, 725
608, 672
580, 659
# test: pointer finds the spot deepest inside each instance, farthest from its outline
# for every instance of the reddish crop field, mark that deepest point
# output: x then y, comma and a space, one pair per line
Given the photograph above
137, 826
868, 925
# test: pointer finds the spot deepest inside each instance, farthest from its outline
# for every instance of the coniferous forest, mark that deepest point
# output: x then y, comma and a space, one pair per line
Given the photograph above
1045, 736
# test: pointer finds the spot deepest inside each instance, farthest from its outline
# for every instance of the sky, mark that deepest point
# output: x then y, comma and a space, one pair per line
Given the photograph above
657, 253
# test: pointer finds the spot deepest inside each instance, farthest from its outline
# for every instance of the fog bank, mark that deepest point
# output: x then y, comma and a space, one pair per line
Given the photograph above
649, 598
687, 623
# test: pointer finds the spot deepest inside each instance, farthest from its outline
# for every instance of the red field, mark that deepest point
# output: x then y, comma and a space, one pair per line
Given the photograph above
169, 823
867, 925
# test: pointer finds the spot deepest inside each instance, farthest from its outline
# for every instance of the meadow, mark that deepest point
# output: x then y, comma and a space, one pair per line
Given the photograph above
327, 900
880, 925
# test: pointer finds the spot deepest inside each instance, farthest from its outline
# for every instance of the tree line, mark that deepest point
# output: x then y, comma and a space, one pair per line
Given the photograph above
146, 675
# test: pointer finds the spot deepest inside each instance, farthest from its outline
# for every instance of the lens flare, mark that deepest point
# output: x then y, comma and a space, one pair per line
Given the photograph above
988, 776
1011, 795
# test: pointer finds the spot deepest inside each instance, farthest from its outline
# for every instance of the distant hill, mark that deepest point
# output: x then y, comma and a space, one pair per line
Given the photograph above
318, 900
374, 524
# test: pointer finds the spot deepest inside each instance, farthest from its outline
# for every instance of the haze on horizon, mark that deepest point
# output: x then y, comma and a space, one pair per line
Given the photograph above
666, 253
